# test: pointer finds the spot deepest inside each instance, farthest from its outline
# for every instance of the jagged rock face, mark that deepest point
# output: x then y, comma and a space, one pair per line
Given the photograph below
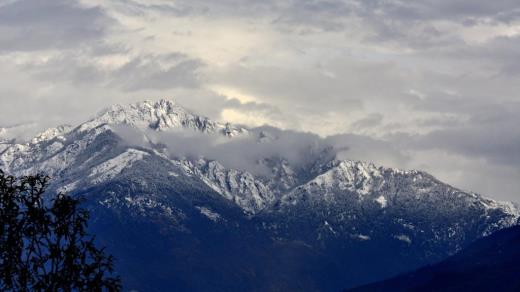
161, 115
241, 187
343, 217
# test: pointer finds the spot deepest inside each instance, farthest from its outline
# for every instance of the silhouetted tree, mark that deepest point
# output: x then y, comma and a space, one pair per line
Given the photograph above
44, 245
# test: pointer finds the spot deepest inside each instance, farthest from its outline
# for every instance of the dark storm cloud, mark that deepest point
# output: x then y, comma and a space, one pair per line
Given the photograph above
28, 25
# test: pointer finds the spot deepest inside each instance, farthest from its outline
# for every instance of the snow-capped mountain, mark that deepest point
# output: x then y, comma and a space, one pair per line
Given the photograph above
161, 115
167, 212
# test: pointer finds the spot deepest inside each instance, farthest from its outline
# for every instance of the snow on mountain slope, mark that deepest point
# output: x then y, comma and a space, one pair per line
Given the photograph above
49, 134
161, 115
240, 187
110, 168
4, 145
353, 176
54, 148
413, 205
93, 151
50, 153
386, 186
3, 132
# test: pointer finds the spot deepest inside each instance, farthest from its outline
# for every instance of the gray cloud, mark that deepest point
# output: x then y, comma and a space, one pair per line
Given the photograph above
18, 133
488, 135
344, 84
27, 25
431, 9
158, 72
369, 121
330, 15
364, 148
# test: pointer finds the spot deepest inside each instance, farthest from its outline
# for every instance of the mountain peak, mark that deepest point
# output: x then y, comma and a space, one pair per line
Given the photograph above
51, 133
164, 105
158, 115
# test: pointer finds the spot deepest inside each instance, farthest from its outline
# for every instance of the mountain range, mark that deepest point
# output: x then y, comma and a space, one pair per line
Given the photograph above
185, 203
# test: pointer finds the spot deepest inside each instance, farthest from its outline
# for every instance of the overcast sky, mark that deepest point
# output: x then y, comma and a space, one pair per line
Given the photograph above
427, 84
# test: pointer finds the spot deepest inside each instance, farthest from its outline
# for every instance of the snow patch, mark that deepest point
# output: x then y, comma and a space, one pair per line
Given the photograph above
69, 187
213, 216
115, 166
362, 237
52, 133
329, 227
159, 116
404, 238
382, 201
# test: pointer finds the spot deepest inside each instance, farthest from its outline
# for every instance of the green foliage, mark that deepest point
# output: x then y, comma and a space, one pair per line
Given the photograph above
44, 245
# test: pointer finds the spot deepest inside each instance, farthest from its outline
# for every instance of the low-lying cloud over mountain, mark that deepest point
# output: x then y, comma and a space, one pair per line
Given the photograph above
243, 152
